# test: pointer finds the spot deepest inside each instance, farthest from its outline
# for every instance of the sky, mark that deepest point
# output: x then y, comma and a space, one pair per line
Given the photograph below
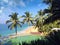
7, 7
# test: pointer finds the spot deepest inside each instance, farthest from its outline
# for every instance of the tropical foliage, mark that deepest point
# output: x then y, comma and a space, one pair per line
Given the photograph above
54, 9
40, 20
27, 18
43, 22
13, 22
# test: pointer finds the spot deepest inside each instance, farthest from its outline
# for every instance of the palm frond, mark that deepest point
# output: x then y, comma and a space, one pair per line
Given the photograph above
24, 20
8, 21
19, 24
28, 22
10, 25
27, 18
32, 22
10, 15
23, 16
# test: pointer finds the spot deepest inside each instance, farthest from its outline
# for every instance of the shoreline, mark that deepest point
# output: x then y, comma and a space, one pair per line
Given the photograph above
19, 32
24, 32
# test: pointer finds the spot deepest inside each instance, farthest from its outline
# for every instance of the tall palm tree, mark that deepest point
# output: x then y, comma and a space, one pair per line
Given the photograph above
39, 20
27, 18
13, 22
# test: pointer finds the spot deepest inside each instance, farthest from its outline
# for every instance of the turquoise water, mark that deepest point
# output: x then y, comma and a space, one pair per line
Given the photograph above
4, 31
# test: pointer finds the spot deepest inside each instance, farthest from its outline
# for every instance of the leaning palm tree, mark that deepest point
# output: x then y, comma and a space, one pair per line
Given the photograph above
13, 21
27, 18
39, 20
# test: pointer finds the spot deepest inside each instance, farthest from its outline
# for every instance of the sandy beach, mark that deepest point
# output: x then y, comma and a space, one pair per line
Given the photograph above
27, 31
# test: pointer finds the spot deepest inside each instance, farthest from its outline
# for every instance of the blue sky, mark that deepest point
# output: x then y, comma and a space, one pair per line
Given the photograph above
8, 7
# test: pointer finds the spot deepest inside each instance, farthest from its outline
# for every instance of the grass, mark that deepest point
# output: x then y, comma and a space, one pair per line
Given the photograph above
27, 39
21, 39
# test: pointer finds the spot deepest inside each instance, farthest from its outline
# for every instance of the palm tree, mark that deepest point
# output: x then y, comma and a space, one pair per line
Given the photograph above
27, 18
39, 20
13, 21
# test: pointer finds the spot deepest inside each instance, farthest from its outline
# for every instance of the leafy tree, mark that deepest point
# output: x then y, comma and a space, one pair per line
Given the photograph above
27, 18
54, 9
13, 22
39, 20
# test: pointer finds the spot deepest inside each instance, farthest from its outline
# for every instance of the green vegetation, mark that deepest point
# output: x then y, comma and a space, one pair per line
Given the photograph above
42, 22
48, 27
27, 39
27, 18
14, 22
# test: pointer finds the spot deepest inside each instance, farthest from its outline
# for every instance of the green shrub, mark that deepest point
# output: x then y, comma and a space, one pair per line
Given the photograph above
48, 27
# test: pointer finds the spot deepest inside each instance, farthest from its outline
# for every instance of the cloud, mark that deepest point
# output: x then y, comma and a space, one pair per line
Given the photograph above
31, 0
17, 3
3, 19
6, 1
1, 10
12, 3
22, 3
39, 4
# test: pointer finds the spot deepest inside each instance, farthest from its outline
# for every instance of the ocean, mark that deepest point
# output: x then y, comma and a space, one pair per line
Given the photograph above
4, 31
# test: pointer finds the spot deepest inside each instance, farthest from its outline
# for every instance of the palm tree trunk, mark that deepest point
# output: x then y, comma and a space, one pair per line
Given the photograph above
16, 29
30, 28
